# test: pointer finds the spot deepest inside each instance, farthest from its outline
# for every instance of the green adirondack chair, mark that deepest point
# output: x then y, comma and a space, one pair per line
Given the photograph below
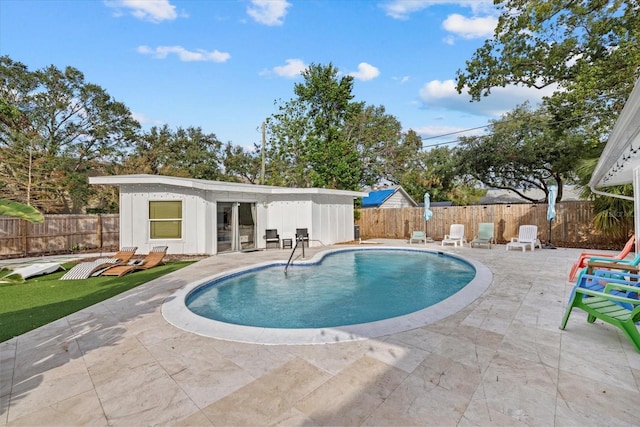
602, 305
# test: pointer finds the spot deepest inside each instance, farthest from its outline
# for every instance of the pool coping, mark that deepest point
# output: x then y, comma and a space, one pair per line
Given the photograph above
176, 313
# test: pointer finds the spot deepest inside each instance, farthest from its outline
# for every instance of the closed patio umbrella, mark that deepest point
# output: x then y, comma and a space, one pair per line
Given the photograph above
551, 212
427, 212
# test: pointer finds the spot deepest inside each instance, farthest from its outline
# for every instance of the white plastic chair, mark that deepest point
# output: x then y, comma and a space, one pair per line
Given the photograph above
527, 236
418, 236
455, 236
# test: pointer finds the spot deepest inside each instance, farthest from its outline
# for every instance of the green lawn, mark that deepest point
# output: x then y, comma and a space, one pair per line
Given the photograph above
41, 300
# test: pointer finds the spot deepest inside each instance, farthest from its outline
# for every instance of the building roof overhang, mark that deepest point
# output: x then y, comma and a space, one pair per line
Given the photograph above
621, 155
203, 184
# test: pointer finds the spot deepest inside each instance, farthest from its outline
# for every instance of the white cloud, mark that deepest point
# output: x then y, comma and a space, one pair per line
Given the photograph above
199, 55
268, 12
401, 9
292, 70
470, 28
139, 117
450, 40
402, 79
146, 10
442, 94
146, 121
365, 72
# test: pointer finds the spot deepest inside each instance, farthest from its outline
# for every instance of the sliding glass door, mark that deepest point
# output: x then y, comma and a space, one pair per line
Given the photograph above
236, 226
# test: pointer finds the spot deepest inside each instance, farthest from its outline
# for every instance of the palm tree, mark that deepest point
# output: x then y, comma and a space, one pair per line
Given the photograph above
19, 210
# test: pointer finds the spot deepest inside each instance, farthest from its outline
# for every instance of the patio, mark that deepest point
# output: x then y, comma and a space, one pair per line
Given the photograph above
500, 361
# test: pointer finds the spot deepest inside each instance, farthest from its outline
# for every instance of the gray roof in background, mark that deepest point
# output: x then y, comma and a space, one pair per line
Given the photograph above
496, 196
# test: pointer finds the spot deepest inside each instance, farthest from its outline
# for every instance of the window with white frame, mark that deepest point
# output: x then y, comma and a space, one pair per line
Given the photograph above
165, 219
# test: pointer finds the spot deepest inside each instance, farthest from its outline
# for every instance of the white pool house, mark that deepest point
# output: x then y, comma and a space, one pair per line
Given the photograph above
195, 216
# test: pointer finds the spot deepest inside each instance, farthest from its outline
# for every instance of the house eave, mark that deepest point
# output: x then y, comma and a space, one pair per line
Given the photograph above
621, 155
202, 184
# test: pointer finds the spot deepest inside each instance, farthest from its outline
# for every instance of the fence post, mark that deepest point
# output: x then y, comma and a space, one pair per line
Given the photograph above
25, 240
99, 230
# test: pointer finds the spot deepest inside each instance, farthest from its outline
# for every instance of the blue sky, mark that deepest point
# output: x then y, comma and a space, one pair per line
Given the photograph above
221, 64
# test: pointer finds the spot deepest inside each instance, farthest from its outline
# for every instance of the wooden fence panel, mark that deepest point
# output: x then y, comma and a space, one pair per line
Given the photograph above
58, 234
572, 226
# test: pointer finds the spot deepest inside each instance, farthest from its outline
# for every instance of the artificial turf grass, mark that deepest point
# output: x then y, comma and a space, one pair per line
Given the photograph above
43, 299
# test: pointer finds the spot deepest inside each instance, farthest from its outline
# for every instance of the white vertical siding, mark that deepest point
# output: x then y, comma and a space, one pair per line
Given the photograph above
287, 213
328, 218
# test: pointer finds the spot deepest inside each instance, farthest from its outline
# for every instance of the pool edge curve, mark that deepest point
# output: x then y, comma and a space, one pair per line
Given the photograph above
175, 312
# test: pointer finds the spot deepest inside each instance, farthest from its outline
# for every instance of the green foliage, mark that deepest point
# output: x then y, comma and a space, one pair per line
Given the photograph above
308, 146
590, 47
55, 128
322, 138
589, 50
612, 216
286, 151
19, 210
522, 150
436, 172
43, 299
377, 137
184, 152
241, 165
356, 214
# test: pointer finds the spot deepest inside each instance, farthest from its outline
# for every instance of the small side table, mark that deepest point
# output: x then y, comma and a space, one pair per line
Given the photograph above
287, 243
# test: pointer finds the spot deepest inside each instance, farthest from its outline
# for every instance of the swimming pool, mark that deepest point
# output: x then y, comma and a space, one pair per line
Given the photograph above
345, 288
365, 323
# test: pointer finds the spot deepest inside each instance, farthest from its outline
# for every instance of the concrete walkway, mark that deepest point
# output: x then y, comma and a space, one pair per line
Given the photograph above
500, 361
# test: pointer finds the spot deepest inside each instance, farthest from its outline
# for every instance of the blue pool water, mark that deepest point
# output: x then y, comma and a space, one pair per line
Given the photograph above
345, 288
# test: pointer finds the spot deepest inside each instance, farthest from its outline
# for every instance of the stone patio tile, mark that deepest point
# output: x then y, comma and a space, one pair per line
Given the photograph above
519, 389
269, 397
331, 358
255, 359
436, 393
587, 357
501, 360
197, 419
584, 401
351, 396
144, 395
82, 409
112, 362
4, 409
462, 350
7, 363
395, 354
49, 388
478, 413
532, 344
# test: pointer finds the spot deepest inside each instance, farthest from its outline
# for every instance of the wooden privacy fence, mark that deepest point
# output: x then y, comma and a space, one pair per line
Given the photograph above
58, 234
572, 226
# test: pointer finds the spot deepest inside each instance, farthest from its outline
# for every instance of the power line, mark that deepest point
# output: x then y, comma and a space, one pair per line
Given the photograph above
485, 126
453, 133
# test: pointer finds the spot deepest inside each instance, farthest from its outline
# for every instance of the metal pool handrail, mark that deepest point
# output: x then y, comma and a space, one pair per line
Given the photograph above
298, 240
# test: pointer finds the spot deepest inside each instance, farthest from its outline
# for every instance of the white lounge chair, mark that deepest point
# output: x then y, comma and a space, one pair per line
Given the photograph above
527, 237
33, 270
455, 236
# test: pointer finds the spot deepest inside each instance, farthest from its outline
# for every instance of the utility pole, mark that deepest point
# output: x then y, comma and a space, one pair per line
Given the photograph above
29, 179
264, 126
